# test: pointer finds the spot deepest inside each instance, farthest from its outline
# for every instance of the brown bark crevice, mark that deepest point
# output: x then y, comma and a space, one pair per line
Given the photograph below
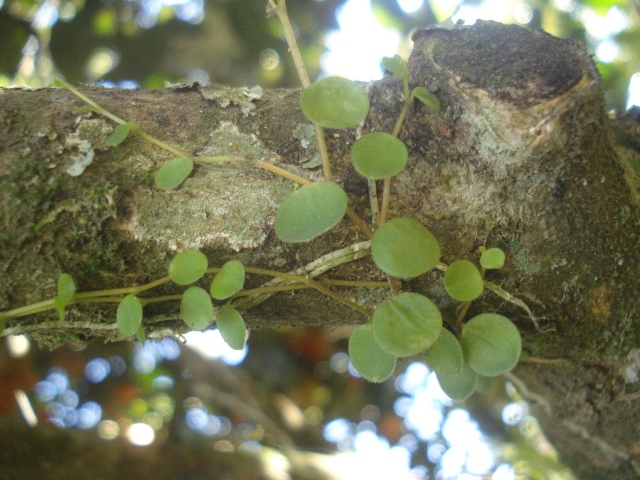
522, 156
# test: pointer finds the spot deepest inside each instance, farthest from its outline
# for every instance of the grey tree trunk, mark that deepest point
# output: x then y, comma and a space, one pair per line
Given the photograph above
521, 156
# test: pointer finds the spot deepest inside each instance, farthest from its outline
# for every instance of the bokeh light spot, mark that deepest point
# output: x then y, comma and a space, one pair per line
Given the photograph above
140, 434
196, 418
269, 59
339, 362
89, 414
108, 429
336, 430
96, 370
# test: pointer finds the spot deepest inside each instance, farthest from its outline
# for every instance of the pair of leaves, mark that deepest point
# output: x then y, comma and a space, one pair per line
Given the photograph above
129, 314
489, 345
464, 282
398, 65
170, 175
196, 309
189, 266
402, 326
313, 209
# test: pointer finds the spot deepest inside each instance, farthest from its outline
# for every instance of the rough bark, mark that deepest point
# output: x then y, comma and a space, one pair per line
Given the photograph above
522, 156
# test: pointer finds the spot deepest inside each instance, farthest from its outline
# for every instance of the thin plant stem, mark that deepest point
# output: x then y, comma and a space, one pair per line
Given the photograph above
462, 314
321, 288
324, 154
359, 222
386, 186
386, 200
274, 289
90, 102
280, 8
165, 146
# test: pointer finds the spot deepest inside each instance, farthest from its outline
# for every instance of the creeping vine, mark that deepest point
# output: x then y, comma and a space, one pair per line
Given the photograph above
464, 354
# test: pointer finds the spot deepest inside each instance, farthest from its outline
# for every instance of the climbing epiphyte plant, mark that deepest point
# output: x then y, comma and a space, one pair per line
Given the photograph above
463, 354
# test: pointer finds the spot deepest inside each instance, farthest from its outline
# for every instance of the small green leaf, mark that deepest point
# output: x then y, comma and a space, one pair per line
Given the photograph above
406, 324
118, 135
66, 289
445, 355
173, 173
379, 155
397, 65
231, 327
310, 211
459, 387
140, 334
228, 281
404, 248
187, 267
491, 344
426, 97
371, 361
196, 308
492, 258
335, 102
129, 315
463, 281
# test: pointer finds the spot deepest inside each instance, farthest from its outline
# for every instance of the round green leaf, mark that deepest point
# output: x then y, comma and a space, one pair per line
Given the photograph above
187, 267
228, 281
491, 344
492, 258
379, 155
404, 248
458, 387
445, 355
66, 289
129, 315
335, 102
397, 65
463, 281
371, 361
406, 324
173, 173
196, 308
231, 327
310, 211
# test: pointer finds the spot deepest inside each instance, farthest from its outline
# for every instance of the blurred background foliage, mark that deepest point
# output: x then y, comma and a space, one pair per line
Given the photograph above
289, 386
147, 42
